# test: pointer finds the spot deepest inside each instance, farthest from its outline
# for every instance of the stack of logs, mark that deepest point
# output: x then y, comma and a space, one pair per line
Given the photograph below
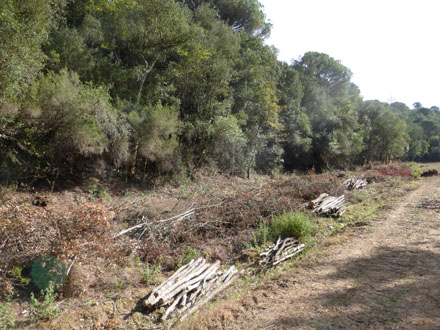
329, 205
352, 184
181, 292
282, 250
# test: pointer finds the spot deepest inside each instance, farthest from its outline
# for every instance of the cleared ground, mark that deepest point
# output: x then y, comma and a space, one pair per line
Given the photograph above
381, 276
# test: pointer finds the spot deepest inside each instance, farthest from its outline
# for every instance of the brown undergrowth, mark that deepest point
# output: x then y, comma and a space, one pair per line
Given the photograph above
76, 224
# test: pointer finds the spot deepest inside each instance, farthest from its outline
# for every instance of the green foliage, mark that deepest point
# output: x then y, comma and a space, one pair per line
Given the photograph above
190, 253
150, 273
79, 116
44, 308
416, 172
145, 88
229, 144
16, 274
7, 317
118, 284
261, 235
24, 27
48, 272
291, 224
97, 191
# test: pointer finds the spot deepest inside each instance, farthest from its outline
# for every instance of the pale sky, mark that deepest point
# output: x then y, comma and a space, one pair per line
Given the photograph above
391, 46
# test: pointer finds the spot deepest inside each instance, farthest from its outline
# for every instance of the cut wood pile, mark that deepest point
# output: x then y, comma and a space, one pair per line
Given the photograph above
430, 173
189, 288
352, 183
280, 251
328, 205
430, 204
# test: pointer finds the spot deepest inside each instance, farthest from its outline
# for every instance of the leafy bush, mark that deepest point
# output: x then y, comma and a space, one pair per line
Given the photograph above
290, 224
97, 191
229, 143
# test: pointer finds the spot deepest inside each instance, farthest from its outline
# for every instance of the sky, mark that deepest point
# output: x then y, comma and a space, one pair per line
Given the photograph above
391, 46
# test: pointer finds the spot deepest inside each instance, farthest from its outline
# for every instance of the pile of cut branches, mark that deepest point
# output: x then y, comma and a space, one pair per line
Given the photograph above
429, 173
280, 251
189, 288
329, 205
352, 183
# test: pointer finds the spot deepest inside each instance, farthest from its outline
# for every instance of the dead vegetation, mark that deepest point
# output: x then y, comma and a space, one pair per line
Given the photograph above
216, 216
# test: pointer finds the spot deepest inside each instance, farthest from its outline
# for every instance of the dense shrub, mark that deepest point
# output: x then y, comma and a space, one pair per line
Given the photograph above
291, 224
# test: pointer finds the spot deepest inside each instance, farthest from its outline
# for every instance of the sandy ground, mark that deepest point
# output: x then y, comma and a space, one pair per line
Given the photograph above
382, 276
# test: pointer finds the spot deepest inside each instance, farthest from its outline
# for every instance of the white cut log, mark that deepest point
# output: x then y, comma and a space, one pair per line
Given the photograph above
316, 201
223, 284
172, 307
156, 294
295, 251
186, 281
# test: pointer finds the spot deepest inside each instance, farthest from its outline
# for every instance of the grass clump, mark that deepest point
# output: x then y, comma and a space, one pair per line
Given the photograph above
288, 224
150, 273
292, 224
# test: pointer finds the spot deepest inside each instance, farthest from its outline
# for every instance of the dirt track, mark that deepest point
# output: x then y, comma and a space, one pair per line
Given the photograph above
383, 276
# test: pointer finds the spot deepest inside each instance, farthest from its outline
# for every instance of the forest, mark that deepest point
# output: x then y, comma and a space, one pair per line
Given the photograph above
145, 89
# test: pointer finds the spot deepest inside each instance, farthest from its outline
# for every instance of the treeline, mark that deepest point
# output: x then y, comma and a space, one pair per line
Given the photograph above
147, 88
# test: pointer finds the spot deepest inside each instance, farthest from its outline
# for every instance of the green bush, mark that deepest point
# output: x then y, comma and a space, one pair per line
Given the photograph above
291, 224
97, 191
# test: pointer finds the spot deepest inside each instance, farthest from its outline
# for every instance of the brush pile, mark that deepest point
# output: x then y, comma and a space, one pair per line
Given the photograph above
328, 205
430, 204
282, 250
181, 292
352, 183
429, 173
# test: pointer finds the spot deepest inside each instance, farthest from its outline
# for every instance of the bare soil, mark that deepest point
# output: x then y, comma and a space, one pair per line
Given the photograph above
383, 275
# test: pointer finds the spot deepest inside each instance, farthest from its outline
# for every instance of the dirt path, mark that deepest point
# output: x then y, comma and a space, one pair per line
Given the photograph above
384, 276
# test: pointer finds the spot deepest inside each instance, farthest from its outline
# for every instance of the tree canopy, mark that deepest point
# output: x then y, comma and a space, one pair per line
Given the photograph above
147, 88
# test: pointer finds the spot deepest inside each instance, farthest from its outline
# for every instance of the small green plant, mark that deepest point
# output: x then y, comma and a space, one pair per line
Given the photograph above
190, 254
16, 273
292, 224
261, 235
416, 173
149, 272
118, 284
44, 309
97, 191
6, 315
